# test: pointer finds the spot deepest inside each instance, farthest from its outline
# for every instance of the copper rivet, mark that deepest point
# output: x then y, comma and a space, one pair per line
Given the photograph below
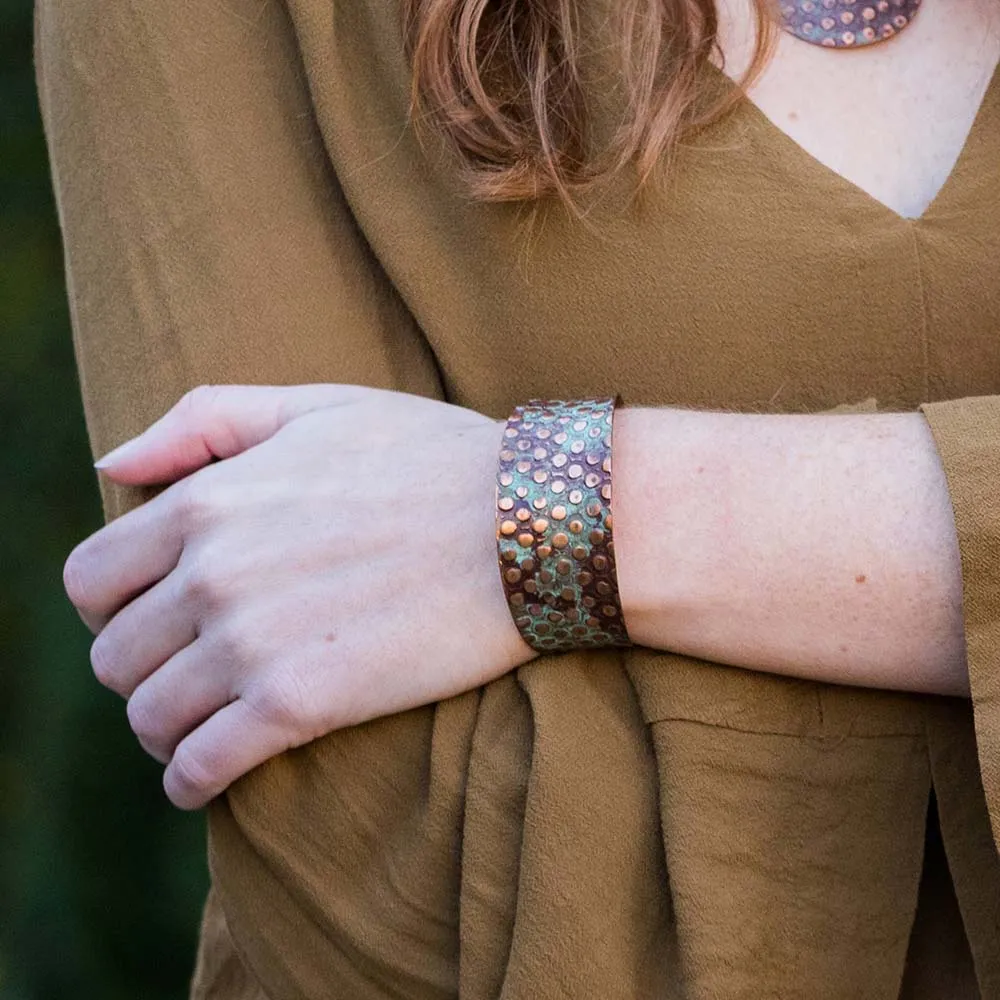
609, 610
524, 466
557, 486
592, 479
523, 445
588, 601
584, 578
526, 540
540, 475
560, 540
521, 491
560, 438
507, 455
559, 460
603, 587
558, 512
600, 563
527, 565
508, 528
543, 551
563, 566
530, 587
513, 575
575, 526
596, 536
594, 622
555, 617
543, 433
505, 479
593, 509
579, 552
542, 628
510, 432
539, 503
517, 599
593, 459
575, 496
568, 593
524, 621
606, 464
539, 453
577, 446
523, 514
539, 524
505, 503
607, 522
606, 491
574, 471
545, 576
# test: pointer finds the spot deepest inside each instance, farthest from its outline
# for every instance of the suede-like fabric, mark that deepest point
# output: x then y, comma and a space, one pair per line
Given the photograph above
243, 200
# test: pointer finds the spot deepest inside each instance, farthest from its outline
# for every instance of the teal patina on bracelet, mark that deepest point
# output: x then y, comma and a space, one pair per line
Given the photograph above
554, 524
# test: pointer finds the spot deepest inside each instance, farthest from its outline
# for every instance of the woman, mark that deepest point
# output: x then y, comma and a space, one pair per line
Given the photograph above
247, 204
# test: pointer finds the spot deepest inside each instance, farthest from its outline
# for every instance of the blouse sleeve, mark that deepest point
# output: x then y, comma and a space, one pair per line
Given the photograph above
206, 240
967, 434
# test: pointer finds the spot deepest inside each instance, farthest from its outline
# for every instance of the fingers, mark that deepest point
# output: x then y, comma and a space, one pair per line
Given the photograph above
216, 421
177, 698
143, 636
125, 557
233, 741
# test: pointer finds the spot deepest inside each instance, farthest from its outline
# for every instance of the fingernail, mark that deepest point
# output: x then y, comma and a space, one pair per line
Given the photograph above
112, 456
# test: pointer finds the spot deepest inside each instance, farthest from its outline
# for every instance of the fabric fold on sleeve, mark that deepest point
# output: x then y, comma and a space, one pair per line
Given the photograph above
207, 240
967, 435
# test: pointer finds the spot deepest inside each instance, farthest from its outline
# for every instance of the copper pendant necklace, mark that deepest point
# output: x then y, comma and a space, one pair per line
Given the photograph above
846, 24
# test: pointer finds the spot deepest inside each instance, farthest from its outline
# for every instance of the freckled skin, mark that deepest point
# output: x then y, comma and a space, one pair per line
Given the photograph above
860, 578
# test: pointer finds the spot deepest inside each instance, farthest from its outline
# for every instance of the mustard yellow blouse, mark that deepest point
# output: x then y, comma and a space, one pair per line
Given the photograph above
243, 201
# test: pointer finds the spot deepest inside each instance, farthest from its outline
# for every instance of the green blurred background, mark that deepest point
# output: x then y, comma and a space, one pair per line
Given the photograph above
101, 880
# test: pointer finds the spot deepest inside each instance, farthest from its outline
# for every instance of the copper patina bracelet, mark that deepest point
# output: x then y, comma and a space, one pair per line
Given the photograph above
554, 524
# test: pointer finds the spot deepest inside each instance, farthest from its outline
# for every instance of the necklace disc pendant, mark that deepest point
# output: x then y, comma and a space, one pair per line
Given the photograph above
846, 24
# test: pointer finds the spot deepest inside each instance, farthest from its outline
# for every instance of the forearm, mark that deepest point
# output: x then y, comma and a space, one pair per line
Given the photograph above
819, 546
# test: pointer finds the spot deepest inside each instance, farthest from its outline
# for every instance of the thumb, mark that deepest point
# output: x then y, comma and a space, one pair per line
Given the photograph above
215, 421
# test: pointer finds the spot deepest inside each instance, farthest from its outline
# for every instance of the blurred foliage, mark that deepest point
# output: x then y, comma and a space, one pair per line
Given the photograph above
101, 880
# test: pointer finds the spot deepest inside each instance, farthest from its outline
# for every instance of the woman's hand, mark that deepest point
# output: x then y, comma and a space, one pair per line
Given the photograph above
339, 564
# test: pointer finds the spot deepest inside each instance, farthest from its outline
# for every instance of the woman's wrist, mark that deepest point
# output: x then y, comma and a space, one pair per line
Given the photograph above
661, 522
818, 546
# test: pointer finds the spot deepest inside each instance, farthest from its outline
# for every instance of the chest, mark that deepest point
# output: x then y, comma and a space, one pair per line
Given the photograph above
756, 278
893, 118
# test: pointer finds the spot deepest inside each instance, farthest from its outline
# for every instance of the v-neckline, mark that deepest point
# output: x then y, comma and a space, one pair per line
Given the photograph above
991, 96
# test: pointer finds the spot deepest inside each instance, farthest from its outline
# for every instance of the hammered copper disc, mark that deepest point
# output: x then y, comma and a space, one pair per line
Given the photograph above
846, 24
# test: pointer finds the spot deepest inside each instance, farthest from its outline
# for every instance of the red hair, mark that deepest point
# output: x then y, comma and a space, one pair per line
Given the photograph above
501, 80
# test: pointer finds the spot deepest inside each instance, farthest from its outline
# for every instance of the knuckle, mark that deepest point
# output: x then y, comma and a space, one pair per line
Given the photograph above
197, 506
200, 399
203, 582
74, 579
234, 640
143, 720
104, 663
192, 776
281, 700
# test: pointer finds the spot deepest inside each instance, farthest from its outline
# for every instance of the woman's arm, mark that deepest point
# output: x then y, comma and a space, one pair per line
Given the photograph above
820, 546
